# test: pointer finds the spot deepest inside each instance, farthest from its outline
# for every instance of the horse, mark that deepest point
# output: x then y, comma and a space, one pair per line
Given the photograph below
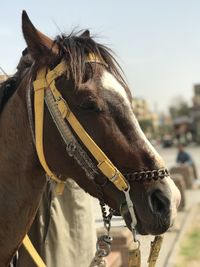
92, 87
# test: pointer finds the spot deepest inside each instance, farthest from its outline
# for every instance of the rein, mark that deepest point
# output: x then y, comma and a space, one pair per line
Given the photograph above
45, 92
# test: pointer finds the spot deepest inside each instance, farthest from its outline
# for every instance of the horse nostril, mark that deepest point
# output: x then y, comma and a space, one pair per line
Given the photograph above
159, 203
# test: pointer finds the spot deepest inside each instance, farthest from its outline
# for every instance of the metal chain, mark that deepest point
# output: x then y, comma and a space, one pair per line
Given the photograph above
107, 216
99, 260
147, 175
103, 246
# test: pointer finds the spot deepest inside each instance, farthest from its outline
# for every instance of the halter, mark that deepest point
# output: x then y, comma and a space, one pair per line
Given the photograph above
45, 88
45, 91
42, 83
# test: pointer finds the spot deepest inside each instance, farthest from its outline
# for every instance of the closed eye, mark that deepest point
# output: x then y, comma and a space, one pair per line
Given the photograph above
90, 104
88, 73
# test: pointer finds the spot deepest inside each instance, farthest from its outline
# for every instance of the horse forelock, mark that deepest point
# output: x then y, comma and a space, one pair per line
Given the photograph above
75, 48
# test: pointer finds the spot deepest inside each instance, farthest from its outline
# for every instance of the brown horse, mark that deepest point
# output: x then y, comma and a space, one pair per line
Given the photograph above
100, 99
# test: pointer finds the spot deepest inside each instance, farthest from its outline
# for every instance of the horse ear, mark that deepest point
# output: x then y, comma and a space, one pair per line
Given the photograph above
38, 43
86, 34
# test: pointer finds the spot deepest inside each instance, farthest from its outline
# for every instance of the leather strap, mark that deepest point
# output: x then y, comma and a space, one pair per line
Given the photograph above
33, 253
39, 86
104, 164
46, 81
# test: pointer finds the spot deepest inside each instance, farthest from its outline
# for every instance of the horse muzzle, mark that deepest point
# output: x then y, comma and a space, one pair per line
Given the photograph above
157, 212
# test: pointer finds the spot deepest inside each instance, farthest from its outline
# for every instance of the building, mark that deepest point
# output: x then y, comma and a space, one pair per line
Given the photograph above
148, 120
195, 112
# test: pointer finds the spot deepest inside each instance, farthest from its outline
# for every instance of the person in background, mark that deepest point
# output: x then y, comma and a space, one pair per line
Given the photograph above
184, 157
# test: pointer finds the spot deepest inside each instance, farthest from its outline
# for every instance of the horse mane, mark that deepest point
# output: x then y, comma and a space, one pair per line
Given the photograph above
75, 49
8, 87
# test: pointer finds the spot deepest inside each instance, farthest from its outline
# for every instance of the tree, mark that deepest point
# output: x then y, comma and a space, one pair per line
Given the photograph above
179, 108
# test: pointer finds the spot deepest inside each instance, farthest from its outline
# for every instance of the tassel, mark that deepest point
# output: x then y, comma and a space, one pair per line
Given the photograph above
155, 249
134, 256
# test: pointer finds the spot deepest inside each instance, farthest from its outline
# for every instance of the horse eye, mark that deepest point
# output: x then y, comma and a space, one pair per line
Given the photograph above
88, 73
90, 104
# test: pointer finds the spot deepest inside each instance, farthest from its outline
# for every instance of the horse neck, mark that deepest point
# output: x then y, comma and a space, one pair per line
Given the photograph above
22, 180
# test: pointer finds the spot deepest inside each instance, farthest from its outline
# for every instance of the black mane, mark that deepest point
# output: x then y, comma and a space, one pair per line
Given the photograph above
8, 87
75, 49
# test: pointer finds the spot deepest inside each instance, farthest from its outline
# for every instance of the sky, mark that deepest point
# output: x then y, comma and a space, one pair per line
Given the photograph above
156, 42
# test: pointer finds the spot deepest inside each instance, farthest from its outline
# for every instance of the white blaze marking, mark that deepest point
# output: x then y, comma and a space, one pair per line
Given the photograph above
109, 82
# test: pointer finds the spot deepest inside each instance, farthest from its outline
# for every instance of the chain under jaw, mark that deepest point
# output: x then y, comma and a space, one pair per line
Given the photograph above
147, 176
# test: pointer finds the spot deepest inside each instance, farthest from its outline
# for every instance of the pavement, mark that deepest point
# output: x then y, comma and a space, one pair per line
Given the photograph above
172, 238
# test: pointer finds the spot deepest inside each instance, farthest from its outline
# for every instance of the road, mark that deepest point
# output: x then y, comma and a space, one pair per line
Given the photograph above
192, 198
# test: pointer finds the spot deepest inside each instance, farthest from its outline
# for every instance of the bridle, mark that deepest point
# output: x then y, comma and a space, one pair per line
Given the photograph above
45, 92
45, 89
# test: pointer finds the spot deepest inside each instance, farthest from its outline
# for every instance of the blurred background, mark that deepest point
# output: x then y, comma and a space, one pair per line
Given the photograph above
157, 43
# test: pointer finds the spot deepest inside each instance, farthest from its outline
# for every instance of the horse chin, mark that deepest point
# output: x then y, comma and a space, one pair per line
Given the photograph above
141, 227
127, 218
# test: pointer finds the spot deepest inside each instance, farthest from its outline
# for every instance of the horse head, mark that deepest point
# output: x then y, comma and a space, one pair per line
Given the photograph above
91, 85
